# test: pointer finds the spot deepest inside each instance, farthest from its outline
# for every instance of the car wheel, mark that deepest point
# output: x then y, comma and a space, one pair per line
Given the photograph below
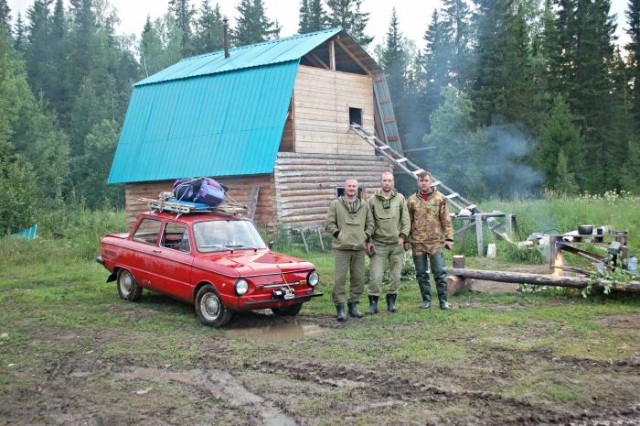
287, 311
128, 287
210, 309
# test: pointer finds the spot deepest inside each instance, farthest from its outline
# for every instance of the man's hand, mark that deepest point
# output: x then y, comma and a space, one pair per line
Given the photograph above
400, 241
448, 245
407, 246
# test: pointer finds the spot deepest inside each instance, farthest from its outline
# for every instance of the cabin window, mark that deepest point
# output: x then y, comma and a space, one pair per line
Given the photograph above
355, 116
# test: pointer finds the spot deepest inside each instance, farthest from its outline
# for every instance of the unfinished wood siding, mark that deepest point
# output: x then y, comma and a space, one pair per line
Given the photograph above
321, 110
306, 183
239, 191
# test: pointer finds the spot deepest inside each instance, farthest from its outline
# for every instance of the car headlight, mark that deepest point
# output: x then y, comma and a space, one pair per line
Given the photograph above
313, 278
241, 287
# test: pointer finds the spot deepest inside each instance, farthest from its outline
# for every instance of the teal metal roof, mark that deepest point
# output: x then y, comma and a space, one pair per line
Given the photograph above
224, 124
267, 53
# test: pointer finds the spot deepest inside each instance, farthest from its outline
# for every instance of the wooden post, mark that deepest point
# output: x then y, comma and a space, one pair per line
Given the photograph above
458, 261
332, 55
479, 234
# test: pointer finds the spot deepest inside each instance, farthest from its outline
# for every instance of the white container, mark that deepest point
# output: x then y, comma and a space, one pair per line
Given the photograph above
491, 251
632, 264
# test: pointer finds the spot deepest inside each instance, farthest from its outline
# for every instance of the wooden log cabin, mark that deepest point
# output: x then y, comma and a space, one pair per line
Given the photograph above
274, 115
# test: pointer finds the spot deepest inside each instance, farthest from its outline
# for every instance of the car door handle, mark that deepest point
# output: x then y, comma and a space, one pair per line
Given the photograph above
156, 251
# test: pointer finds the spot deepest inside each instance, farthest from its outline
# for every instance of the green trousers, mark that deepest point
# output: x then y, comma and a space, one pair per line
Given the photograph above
348, 262
392, 255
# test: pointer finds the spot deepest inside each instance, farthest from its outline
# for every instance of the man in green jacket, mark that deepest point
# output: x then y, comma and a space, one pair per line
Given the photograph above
392, 226
350, 223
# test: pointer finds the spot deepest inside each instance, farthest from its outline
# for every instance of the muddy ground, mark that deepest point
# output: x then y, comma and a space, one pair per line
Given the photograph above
226, 378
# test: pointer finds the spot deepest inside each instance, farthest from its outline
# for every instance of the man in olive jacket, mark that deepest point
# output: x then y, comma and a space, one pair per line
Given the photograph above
431, 231
392, 226
350, 223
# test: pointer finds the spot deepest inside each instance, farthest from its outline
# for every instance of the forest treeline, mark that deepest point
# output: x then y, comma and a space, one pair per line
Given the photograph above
505, 98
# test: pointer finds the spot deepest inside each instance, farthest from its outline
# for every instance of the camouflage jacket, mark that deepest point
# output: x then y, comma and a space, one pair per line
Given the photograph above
430, 223
351, 226
391, 217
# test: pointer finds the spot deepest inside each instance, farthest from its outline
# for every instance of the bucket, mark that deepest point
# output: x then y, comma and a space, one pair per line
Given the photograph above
491, 251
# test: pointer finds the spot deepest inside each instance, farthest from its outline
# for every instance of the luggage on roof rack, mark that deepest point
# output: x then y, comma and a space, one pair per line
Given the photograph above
167, 204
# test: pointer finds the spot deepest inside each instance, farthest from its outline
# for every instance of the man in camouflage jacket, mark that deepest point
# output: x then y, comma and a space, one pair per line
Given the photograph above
350, 222
431, 230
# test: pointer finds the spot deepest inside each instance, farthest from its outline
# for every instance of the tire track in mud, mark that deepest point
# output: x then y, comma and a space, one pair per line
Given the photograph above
400, 390
222, 385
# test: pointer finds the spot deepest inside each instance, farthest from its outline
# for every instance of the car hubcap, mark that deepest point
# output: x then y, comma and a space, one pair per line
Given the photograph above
126, 284
210, 306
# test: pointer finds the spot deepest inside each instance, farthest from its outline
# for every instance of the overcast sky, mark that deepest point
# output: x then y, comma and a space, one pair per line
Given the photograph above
414, 15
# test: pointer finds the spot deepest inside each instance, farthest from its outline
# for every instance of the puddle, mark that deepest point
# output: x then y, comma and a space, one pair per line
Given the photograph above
278, 332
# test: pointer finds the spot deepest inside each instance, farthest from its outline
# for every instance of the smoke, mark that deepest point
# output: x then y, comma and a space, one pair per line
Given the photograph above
504, 164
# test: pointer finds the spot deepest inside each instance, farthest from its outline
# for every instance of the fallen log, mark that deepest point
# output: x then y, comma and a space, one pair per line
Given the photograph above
536, 279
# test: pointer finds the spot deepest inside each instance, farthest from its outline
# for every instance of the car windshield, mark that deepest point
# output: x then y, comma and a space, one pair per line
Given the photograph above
219, 235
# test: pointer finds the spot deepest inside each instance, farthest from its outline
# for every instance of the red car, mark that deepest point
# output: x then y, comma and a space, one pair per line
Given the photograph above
219, 263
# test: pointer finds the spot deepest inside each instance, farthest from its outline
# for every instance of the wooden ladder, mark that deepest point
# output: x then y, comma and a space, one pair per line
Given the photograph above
253, 202
463, 208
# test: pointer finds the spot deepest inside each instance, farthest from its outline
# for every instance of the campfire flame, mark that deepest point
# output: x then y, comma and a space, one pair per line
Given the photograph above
558, 264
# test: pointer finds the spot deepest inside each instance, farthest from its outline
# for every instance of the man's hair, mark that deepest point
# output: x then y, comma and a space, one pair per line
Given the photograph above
424, 174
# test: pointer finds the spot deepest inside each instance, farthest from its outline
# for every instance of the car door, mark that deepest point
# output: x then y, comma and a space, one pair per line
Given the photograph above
144, 244
172, 261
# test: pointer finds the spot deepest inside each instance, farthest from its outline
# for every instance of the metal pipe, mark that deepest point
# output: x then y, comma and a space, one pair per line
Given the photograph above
226, 37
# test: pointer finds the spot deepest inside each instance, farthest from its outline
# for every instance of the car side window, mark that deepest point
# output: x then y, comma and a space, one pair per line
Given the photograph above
147, 232
176, 237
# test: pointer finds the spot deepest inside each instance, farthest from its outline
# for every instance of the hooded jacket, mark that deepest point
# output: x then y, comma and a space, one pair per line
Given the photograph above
391, 218
350, 228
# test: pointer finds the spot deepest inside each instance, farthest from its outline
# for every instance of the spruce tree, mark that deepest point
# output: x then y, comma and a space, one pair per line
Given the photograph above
633, 48
565, 182
456, 18
436, 62
20, 38
183, 13
348, 15
253, 26
5, 17
312, 16
210, 29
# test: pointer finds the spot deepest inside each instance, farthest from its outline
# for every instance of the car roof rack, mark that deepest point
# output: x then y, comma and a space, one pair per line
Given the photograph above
188, 207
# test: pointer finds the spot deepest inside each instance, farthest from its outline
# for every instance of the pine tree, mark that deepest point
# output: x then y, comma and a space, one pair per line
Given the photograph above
393, 60
183, 14
253, 26
348, 15
210, 29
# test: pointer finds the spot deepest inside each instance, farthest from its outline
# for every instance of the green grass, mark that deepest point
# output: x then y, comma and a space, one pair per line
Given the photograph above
56, 307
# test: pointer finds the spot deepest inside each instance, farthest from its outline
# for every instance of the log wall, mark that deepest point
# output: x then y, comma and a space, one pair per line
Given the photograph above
306, 183
321, 110
239, 190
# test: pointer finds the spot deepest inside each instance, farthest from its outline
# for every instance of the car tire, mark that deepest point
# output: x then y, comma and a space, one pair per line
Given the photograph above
209, 308
287, 311
128, 287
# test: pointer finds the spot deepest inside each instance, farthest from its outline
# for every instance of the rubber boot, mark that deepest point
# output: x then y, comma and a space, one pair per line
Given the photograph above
353, 311
444, 305
426, 302
391, 303
340, 315
373, 305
